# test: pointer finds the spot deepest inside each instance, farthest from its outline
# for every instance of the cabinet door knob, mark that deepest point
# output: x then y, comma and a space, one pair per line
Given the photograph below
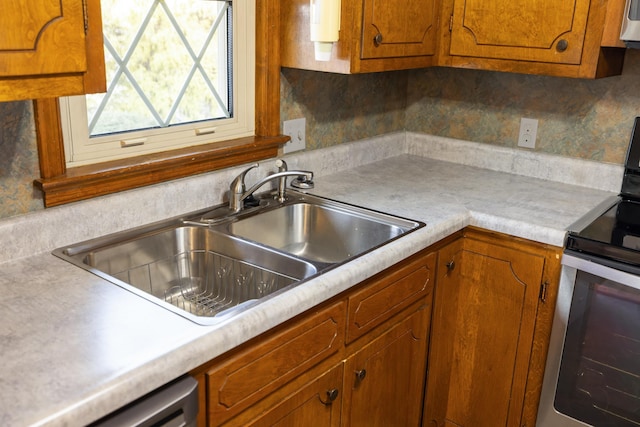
451, 265
377, 40
361, 374
562, 45
332, 395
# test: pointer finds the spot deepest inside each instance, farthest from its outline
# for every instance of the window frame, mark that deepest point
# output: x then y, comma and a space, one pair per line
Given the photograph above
61, 185
231, 117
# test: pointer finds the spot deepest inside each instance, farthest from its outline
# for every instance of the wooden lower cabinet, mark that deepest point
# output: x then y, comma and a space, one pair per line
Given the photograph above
311, 372
238, 384
382, 384
361, 358
384, 380
493, 307
317, 403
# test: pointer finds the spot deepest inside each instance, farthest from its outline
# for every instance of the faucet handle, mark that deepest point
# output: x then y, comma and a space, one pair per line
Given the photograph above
237, 185
281, 165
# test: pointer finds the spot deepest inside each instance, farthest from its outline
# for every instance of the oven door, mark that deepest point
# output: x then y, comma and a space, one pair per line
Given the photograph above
592, 376
630, 28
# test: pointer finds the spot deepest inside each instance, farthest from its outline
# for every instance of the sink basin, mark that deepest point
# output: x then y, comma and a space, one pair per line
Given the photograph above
320, 233
203, 274
209, 265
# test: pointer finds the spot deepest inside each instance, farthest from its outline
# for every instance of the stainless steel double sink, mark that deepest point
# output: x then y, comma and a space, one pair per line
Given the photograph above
212, 264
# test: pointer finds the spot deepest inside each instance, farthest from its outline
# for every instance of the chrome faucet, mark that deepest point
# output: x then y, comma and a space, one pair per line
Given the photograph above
238, 192
282, 182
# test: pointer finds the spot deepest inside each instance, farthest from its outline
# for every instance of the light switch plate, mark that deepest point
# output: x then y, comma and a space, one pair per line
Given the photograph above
296, 129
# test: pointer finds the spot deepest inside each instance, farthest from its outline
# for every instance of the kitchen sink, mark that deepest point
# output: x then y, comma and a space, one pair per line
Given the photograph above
327, 234
214, 263
191, 270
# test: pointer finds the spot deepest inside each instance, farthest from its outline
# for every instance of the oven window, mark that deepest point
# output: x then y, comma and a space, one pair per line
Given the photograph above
599, 379
634, 10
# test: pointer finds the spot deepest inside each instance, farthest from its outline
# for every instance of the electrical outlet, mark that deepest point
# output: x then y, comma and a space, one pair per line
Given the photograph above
296, 130
528, 132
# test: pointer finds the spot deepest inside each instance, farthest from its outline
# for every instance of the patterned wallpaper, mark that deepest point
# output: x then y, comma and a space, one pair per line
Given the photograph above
341, 108
18, 160
589, 119
579, 118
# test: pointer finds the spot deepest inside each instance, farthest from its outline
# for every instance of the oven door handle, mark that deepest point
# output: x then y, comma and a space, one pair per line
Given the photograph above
601, 270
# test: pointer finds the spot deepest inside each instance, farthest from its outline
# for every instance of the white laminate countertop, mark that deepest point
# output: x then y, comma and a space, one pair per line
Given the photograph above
75, 347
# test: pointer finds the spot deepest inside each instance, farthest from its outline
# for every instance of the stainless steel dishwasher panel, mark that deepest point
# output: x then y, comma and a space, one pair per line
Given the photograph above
173, 405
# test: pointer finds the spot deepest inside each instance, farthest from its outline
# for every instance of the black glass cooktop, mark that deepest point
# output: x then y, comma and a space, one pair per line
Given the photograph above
614, 235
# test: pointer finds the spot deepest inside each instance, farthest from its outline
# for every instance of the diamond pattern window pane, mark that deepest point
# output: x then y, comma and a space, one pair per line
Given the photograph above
168, 63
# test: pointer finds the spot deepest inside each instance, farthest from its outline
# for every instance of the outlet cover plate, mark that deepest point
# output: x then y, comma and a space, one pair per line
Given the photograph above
528, 133
296, 129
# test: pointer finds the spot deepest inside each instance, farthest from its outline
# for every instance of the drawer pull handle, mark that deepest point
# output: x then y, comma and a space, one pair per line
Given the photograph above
377, 40
361, 374
451, 265
332, 395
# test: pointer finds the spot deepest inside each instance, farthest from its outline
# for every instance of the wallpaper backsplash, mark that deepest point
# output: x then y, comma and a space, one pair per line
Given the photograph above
578, 118
589, 119
18, 160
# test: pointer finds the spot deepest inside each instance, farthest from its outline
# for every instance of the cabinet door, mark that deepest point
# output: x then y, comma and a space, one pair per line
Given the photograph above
42, 37
540, 31
51, 48
398, 28
316, 404
384, 381
375, 35
249, 376
484, 321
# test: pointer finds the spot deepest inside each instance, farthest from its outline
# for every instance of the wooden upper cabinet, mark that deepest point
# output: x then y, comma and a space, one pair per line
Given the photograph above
520, 29
375, 35
50, 48
538, 37
32, 29
398, 28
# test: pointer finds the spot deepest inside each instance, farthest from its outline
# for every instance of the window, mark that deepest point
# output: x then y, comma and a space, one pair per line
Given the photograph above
61, 184
179, 73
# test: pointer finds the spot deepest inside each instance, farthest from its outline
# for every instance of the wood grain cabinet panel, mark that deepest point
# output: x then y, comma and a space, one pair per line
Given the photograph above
489, 314
386, 296
520, 30
362, 360
304, 373
32, 29
375, 36
570, 38
398, 28
249, 376
384, 381
50, 48
317, 404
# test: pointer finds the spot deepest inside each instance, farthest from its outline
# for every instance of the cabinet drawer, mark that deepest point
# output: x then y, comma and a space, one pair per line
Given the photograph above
387, 295
247, 377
